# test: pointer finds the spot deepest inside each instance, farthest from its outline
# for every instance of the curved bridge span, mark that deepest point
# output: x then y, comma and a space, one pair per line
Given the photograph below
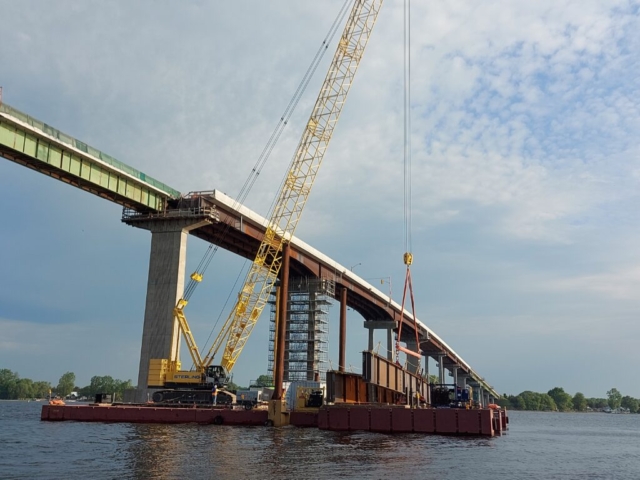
240, 230
211, 216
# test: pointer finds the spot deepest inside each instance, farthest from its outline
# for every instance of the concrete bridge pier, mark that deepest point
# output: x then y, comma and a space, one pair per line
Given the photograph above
165, 286
342, 347
426, 366
454, 374
387, 325
440, 359
462, 380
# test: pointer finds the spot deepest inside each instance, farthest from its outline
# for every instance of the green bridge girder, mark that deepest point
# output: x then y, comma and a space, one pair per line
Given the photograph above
34, 144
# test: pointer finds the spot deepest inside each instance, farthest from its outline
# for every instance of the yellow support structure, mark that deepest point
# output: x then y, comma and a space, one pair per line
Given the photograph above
188, 336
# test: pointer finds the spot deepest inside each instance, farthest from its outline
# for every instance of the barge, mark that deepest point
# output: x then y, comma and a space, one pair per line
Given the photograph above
386, 398
375, 418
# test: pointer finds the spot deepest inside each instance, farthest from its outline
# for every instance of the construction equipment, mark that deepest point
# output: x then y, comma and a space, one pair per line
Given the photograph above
283, 219
451, 396
309, 398
187, 386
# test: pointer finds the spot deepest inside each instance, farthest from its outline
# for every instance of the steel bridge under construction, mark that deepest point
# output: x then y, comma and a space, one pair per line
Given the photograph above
216, 218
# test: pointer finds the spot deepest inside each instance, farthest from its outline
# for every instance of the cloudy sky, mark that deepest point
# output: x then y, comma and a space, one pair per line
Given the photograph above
526, 171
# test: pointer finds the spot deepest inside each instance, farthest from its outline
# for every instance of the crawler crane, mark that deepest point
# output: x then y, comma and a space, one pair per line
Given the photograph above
195, 385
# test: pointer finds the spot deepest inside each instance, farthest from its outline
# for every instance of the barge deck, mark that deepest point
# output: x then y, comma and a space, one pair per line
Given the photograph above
343, 417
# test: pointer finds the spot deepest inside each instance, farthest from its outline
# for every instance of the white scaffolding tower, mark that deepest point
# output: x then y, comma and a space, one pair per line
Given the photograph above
307, 330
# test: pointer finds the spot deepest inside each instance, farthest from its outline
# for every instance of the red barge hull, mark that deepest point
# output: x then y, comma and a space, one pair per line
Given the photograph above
374, 418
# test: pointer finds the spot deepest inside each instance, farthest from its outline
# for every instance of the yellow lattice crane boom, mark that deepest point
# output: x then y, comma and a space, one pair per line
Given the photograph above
296, 187
187, 386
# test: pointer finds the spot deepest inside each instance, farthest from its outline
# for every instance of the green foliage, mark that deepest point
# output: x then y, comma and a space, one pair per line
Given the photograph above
41, 389
66, 384
264, 381
558, 399
614, 398
12, 387
547, 403
579, 402
8, 380
106, 384
536, 401
529, 400
631, 403
23, 388
563, 400
597, 403
234, 386
434, 379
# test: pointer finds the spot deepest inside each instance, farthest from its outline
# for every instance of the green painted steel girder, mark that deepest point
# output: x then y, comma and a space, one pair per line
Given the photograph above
34, 144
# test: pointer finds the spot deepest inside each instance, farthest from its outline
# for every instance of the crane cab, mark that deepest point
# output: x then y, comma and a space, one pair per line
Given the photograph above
218, 375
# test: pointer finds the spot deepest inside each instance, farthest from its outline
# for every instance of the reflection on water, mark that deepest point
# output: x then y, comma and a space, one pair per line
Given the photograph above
538, 445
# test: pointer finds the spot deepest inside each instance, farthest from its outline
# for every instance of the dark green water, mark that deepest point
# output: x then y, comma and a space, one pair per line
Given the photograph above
537, 446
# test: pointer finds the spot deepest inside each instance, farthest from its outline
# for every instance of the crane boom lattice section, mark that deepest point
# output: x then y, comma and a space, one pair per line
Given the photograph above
297, 185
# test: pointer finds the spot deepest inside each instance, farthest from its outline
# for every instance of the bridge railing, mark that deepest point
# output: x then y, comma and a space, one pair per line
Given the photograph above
129, 214
88, 149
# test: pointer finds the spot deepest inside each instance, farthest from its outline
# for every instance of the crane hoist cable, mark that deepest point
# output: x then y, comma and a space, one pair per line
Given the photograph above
197, 276
275, 135
408, 256
297, 185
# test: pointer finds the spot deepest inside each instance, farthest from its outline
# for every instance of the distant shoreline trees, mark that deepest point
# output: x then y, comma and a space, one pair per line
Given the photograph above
558, 400
12, 387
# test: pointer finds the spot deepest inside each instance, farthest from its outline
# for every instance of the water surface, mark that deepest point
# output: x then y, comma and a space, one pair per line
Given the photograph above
538, 446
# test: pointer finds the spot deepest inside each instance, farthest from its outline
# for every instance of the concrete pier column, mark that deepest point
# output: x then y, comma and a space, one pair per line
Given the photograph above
343, 331
481, 397
440, 358
165, 286
454, 375
390, 346
426, 367
370, 346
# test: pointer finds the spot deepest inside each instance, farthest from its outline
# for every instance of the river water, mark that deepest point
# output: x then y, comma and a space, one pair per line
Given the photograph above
538, 446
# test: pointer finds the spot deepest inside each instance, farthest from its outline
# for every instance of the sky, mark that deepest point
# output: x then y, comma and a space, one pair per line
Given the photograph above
525, 175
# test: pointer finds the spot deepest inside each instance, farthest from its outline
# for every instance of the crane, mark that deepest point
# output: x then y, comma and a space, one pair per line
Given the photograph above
297, 185
283, 220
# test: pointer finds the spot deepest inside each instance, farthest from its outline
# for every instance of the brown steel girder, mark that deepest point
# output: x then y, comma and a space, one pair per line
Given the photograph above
243, 238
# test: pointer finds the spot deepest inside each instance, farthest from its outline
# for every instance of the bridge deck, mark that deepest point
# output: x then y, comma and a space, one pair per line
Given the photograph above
244, 236
34, 144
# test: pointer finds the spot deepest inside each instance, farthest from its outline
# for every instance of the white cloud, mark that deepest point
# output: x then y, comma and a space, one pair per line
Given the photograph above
622, 284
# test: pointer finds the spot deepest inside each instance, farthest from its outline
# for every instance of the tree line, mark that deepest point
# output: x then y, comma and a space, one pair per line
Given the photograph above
557, 399
12, 387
